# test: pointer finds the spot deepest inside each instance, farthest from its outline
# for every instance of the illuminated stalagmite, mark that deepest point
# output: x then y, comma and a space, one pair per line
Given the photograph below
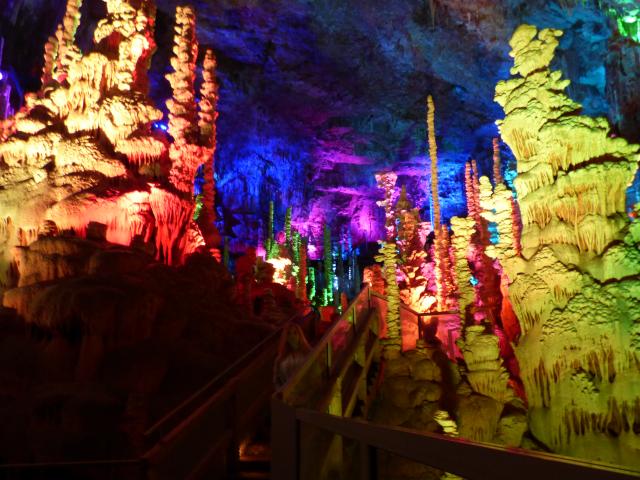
575, 287
463, 229
444, 279
83, 149
389, 257
413, 257
193, 128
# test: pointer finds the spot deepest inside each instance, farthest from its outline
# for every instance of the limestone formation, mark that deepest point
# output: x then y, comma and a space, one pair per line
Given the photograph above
575, 287
463, 229
83, 149
389, 257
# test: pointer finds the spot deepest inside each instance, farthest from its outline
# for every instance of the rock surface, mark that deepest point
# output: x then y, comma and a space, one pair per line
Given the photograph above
96, 353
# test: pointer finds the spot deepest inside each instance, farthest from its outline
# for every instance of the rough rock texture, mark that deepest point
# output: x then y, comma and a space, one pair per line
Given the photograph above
103, 341
574, 288
82, 149
317, 96
417, 386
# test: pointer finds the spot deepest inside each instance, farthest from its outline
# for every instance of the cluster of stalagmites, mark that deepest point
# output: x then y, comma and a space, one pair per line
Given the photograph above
83, 148
546, 278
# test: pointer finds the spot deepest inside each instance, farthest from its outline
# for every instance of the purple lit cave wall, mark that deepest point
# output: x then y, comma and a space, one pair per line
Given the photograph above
315, 97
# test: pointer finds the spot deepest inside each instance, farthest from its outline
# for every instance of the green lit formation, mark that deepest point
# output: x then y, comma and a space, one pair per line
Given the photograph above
327, 293
575, 286
628, 21
271, 245
287, 226
199, 205
311, 281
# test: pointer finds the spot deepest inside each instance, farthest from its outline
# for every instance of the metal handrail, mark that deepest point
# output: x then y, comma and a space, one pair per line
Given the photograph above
182, 411
481, 461
321, 346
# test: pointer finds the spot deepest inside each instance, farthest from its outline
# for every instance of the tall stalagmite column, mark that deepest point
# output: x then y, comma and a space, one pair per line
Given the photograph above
441, 248
193, 130
183, 119
208, 115
497, 167
389, 257
433, 155
66, 36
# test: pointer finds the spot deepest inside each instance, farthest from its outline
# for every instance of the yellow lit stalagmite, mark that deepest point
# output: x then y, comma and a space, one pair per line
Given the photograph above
576, 286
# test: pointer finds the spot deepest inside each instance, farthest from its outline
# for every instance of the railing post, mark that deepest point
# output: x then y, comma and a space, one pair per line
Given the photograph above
329, 359
368, 462
285, 439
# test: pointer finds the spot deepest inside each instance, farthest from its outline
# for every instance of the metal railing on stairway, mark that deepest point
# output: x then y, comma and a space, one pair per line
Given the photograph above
312, 437
199, 437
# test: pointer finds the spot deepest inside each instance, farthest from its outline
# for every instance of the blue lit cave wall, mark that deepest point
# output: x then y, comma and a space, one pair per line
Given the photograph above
318, 96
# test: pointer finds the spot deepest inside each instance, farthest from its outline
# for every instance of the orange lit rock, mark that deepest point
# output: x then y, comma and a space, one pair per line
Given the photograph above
83, 150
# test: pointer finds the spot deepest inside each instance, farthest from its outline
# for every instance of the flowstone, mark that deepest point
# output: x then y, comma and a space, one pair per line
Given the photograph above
575, 288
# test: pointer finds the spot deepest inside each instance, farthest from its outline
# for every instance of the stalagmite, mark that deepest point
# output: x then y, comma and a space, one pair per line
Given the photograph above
568, 283
433, 155
389, 257
182, 106
463, 229
441, 248
208, 115
413, 256
67, 51
497, 167
82, 150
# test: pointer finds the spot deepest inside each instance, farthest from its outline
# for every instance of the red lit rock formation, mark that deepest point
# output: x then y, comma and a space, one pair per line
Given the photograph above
83, 148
